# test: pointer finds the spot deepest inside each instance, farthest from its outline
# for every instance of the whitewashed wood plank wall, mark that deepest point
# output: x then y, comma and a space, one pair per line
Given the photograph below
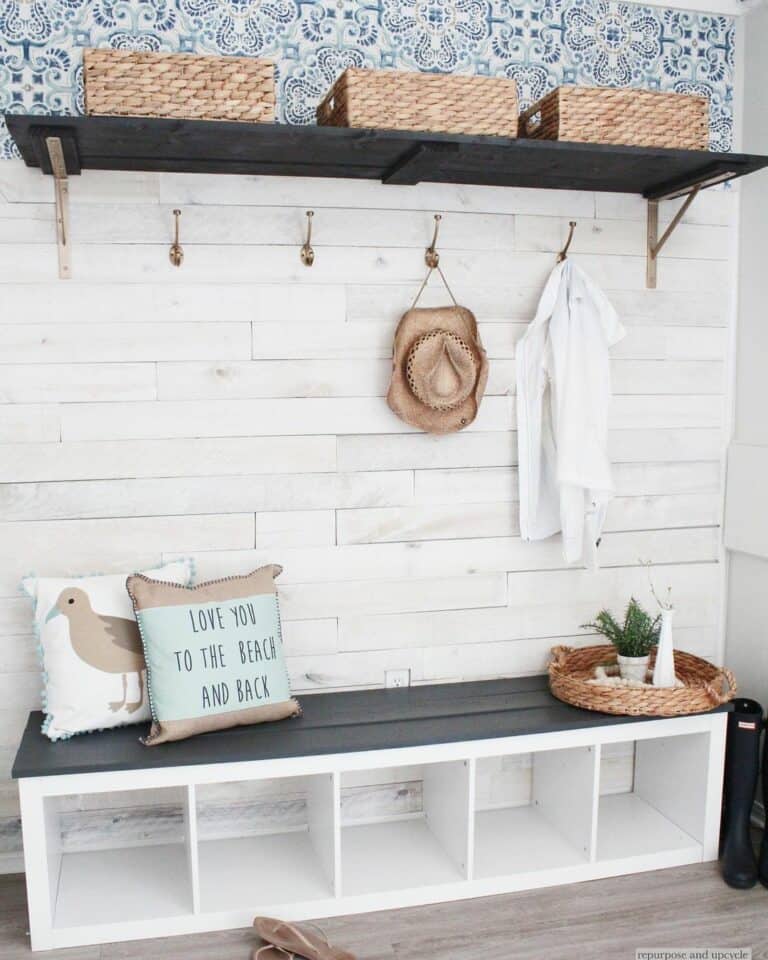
233, 410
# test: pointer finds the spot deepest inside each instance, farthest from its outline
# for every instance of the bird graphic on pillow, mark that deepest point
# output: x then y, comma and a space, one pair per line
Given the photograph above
110, 644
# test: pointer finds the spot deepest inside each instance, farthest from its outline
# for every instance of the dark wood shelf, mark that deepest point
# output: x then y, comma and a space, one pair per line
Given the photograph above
353, 721
206, 146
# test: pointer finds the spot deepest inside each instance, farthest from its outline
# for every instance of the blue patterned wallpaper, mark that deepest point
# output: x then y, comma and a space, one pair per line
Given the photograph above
539, 43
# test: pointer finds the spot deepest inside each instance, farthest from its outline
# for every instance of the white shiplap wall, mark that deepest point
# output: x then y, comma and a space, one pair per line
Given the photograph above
233, 410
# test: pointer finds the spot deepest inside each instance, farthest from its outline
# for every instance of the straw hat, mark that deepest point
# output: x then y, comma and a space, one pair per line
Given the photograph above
439, 369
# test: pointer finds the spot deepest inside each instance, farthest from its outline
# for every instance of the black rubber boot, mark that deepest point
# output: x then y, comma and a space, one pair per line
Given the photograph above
763, 861
738, 863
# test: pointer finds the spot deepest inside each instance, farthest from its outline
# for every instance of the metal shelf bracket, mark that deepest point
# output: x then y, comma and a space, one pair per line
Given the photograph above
656, 243
61, 195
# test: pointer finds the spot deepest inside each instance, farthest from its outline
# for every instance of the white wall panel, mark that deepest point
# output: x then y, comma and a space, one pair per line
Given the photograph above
112, 545
295, 528
343, 377
208, 263
531, 609
504, 302
225, 380
81, 499
307, 339
289, 417
500, 483
470, 558
199, 457
546, 233
70, 382
79, 342
179, 301
29, 423
444, 522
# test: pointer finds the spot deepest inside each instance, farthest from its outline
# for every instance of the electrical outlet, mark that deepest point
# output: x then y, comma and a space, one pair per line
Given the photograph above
397, 678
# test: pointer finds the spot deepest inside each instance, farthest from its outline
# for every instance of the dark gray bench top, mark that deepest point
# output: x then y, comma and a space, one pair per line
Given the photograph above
331, 723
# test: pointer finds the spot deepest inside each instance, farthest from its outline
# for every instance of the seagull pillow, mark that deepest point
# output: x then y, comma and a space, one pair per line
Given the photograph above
92, 659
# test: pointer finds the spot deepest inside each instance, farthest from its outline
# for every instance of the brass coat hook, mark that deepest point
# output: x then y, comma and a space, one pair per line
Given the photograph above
432, 257
307, 253
564, 252
176, 253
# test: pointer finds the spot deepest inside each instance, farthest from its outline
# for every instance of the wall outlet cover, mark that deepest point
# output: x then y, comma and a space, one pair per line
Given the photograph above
397, 678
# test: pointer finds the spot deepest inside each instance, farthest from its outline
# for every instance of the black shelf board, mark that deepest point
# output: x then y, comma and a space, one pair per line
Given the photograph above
391, 156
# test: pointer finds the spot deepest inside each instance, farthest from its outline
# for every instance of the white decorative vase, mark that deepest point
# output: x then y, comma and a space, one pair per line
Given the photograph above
633, 668
664, 668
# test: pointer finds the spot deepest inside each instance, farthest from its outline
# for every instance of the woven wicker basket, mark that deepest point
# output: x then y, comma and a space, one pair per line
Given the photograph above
705, 687
639, 118
399, 100
130, 84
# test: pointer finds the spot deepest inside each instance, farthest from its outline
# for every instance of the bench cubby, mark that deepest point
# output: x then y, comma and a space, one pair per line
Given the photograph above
542, 819
258, 855
371, 800
661, 814
420, 848
122, 877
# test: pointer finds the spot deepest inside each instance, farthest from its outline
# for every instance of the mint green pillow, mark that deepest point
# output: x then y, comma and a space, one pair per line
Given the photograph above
214, 653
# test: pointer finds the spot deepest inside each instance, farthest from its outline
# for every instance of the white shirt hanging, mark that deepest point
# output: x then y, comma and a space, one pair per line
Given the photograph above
563, 393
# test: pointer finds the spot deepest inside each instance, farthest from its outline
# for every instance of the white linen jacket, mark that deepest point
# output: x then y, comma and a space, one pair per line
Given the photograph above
563, 393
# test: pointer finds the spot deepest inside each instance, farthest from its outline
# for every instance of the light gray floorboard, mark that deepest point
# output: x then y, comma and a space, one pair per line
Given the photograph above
602, 920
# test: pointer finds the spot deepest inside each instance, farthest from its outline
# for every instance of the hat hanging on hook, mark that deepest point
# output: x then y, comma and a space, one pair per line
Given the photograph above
176, 253
307, 253
563, 255
439, 366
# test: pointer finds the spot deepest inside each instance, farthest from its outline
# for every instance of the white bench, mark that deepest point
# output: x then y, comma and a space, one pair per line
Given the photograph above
454, 847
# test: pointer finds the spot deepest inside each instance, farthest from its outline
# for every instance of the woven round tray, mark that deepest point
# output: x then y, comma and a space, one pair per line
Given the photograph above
705, 687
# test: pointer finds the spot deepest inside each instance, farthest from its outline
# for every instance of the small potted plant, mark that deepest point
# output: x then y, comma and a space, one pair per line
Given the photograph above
633, 639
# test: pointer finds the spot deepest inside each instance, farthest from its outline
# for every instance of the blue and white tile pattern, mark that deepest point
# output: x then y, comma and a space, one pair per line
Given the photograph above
538, 42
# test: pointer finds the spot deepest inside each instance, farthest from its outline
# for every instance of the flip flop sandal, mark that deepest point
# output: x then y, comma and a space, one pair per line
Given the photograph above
305, 941
271, 952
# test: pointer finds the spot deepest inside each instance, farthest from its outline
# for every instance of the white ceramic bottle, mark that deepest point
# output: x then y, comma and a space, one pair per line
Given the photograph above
664, 668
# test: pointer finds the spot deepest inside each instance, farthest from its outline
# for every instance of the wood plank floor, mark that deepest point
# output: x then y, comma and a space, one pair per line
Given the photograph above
601, 920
